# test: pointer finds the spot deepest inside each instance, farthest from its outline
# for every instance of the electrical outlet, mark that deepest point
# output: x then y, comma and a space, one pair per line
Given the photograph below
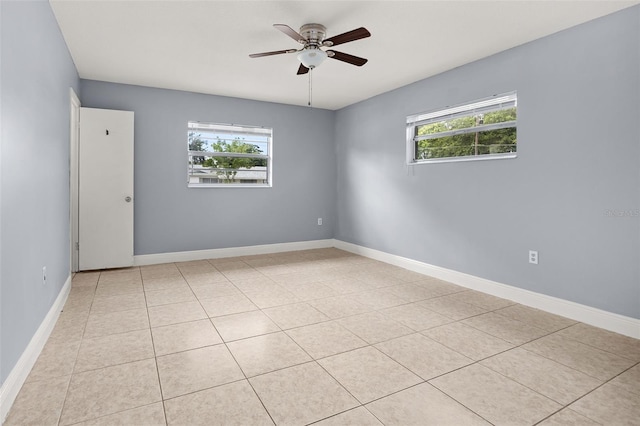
44, 275
533, 257
319, 221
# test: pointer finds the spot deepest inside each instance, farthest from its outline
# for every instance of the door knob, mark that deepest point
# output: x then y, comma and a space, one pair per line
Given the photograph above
127, 199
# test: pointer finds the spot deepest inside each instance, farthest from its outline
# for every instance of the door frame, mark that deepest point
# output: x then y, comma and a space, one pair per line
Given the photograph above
74, 143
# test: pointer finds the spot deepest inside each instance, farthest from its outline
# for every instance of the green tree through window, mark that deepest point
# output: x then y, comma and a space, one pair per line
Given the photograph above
227, 167
481, 142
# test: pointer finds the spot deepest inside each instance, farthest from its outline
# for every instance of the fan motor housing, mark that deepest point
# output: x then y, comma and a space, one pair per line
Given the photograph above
314, 33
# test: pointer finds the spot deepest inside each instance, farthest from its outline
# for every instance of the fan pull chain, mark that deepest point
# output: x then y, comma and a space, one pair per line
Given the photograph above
310, 86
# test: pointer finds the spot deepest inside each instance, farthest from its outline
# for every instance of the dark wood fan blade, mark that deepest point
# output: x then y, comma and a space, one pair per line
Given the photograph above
302, 70
345, 57
290, 32
352, 35
275, 52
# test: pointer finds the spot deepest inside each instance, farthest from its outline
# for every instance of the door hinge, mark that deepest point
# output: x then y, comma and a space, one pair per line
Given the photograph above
77, 246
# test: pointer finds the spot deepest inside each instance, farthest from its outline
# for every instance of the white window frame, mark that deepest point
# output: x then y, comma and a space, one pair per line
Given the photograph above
230, 129
493, 103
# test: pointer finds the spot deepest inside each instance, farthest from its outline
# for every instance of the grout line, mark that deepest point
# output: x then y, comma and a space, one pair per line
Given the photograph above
155, 355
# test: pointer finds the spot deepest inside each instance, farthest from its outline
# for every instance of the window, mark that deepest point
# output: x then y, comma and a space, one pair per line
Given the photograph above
485, 129
223, 155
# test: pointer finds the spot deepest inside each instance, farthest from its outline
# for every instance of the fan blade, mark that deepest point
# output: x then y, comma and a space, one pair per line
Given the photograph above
290, 32
345, 57
275, 52
352, 35
302, 70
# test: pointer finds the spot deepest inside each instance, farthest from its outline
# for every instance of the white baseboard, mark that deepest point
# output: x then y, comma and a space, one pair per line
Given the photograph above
575, 311
15, 380
185, 256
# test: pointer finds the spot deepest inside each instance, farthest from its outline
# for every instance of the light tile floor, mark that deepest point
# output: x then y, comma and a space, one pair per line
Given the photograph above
319, 336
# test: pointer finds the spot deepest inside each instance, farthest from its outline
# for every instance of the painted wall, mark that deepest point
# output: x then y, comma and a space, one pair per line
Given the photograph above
169, 217
578, 159
36, 74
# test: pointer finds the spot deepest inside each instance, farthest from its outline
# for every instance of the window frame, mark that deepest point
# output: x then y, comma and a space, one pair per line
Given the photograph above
230, 129
491, 104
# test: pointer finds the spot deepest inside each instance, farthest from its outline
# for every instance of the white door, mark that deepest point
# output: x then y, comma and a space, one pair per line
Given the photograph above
105, 192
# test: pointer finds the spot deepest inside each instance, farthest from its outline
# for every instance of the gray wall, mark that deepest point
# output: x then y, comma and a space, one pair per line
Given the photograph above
36, 74
169, 217
578, 156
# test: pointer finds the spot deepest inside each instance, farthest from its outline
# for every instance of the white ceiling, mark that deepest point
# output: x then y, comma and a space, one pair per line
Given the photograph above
203, 46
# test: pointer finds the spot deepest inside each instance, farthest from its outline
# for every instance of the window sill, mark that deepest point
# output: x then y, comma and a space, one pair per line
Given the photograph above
463, 159
226, 185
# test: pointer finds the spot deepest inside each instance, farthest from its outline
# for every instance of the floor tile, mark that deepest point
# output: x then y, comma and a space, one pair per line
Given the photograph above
452, 308
295, 279
109, 390
438, 287
378, 299
114, 349
234, 404
357, 417
213, 290
406, 275
118, 302
257, 284
295, 315
423, 356
56, 360
85, 278
39, 403
69, 327
609, 405
197, 369
567, 417
227, 305
535, 317
204, 278
375, 279
346, 285
184, 336
415, 316
513, 331
262, 354
113, 289
374, 327
555, 381
273, 297
170, 295
423, 405
99, 325
302, 394
629, 381
325, 339
339, 306
483, 300
587, 359
496, 398
120, 275
368, 374
333, 305
246, 324
163, 283
313, 291
412, 292
148, 415
468, 341
618, 344
175, 313
272, 270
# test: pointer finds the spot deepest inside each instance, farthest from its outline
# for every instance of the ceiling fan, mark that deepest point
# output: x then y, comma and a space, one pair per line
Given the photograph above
312, 37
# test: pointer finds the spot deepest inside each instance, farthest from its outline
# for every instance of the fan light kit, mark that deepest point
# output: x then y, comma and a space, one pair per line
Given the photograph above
311, 36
